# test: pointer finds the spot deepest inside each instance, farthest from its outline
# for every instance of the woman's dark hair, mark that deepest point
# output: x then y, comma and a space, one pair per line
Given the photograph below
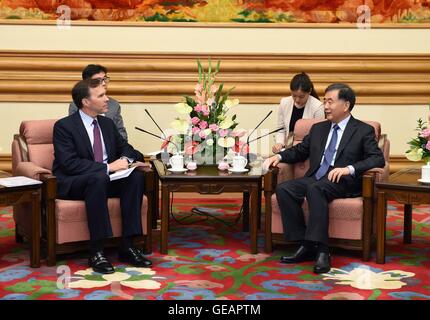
301, 81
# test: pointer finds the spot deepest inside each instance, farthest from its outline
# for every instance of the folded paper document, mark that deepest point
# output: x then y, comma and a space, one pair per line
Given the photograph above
18, 181
121, 174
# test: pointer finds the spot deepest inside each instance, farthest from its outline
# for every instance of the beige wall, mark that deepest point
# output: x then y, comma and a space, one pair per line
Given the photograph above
164, 39
397, 121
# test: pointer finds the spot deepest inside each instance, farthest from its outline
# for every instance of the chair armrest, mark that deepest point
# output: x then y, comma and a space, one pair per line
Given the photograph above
379, 174
30, 170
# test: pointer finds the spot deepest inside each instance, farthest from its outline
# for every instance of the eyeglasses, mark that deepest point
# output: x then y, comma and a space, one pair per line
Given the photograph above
101, 80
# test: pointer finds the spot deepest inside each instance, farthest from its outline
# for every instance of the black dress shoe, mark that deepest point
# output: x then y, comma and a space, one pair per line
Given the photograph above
134, 257
100, 263
302, 254
322, 264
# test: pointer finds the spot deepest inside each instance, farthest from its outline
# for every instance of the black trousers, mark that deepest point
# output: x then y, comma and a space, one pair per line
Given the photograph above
319, 193
96, 188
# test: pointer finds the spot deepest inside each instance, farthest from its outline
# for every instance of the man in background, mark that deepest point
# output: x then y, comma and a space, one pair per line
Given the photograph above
97, 72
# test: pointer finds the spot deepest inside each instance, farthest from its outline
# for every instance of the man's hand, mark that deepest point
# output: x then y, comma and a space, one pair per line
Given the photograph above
277, 147
272, 161
120, 164
335, 174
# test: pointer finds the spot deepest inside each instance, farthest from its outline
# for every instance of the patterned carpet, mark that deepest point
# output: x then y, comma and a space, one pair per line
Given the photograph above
209, 259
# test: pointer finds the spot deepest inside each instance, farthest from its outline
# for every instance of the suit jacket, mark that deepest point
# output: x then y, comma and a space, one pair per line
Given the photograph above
114, 113
74, 154
314, 109
358, 147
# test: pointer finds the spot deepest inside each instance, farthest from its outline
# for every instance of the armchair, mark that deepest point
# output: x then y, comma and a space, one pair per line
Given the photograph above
64, 222
352, 221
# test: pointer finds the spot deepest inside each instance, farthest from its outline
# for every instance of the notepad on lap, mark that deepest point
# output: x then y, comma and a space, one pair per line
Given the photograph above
121, 174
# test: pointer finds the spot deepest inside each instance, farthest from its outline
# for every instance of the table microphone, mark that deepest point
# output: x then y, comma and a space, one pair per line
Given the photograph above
164, 159
247, 139
155, 122
258, 138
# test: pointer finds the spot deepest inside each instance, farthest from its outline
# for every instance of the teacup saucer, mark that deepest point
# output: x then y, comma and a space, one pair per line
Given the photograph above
178, 170
238, 170
424, 181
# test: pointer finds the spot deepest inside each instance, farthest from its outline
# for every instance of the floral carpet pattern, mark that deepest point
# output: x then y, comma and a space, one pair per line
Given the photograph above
209, 259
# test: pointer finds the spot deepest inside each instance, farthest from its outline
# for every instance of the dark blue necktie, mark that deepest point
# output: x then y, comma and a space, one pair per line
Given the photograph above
328, 154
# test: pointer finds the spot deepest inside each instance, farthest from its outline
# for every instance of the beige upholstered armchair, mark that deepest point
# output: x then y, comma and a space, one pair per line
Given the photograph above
64, 222
352, 221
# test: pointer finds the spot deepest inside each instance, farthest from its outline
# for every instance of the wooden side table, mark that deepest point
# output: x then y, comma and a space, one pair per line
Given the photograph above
404, 188
10, 196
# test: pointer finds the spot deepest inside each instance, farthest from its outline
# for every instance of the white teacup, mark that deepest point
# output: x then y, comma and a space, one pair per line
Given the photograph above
239, 163
425, 173
177, 162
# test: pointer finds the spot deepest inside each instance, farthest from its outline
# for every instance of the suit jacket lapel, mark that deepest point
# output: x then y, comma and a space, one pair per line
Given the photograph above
83, 132
324, 136
105, 134
350, 129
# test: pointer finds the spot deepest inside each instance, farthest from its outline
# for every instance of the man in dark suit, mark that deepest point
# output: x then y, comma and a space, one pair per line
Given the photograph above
339, 150
99, 73
87, 147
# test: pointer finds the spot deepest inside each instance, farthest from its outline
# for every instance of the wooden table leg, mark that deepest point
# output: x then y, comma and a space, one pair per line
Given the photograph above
268, 222
245, 212
381, 227
165, 200
253, 233
407, 224
35, 230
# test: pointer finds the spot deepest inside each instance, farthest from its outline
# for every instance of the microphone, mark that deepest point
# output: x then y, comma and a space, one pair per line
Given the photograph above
155, 122
154, 135
247, 139
258, 138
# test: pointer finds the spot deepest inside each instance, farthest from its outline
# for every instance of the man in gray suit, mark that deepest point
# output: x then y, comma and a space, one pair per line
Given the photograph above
98, 72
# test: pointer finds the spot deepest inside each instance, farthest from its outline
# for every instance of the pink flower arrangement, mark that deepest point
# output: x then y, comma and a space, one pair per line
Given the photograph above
211, 129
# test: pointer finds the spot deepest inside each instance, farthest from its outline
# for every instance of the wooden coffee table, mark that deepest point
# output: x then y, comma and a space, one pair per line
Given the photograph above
209, 180
404, 188
10, 196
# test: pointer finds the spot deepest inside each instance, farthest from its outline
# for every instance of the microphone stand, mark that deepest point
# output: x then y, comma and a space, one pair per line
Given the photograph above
154, 135
164, 154
247, 139
258, 138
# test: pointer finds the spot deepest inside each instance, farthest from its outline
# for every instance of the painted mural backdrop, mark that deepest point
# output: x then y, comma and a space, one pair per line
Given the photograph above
241, 11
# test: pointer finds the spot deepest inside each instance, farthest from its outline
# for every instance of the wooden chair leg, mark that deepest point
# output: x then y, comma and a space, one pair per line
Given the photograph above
18, 237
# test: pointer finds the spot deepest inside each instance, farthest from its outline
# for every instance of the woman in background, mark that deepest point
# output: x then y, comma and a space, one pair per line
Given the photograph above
303, 103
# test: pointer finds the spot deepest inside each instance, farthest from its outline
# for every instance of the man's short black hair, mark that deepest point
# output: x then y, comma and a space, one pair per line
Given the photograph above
81, 90
91, 70
345, 93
